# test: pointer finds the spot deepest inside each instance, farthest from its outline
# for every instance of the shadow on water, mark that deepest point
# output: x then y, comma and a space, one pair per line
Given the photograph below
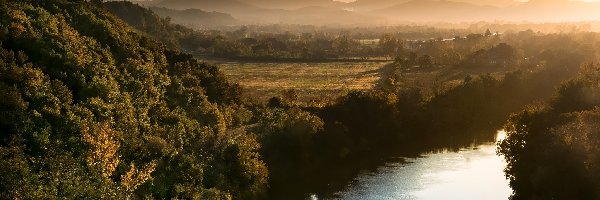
326, 182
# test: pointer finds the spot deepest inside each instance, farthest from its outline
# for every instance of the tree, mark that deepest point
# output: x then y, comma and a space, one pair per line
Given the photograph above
488, 33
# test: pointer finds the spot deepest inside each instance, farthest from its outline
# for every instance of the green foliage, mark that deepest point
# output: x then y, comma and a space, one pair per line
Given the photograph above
552, 150
287, 134
92, 109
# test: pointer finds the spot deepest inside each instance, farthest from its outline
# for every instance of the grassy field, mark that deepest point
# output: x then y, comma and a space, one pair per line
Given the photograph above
323, 82
312, 81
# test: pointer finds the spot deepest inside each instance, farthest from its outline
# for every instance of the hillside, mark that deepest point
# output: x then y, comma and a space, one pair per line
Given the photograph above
92, 109
149, 23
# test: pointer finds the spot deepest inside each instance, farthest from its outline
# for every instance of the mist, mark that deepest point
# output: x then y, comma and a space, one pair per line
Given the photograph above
390, 12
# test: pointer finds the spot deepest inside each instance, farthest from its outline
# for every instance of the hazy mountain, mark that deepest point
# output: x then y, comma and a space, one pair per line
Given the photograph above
327, 15
431, 10
227, 6
554, 10
314, 15
534, 11
394, 11
498, 3
293, 4
195, 17
369, 5
251, 14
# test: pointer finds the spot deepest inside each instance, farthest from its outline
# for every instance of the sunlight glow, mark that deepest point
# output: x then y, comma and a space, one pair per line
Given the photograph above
439, 175
501, 135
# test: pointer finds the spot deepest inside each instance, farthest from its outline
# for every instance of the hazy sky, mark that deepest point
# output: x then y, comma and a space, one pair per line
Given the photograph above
392, 2
393, 11
488, 2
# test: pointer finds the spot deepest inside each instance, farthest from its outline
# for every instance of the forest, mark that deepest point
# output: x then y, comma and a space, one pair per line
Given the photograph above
108, 100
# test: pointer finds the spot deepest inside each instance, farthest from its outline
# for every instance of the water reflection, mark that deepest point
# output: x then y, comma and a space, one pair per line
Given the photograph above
470, 173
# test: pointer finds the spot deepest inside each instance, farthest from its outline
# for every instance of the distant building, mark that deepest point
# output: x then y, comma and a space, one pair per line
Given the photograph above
368, 42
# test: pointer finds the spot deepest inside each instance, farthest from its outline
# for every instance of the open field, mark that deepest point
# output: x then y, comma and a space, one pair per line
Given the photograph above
312, 81
441, 78
323, 82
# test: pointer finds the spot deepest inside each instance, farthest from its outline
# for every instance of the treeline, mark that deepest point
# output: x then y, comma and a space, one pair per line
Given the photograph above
553, 149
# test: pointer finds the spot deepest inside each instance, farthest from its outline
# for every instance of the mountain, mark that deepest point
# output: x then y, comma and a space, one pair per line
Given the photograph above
553, 10
430, 10
251, 14
195, 17
322, 15
323, 12
497, 3
148, 18
293, 4
226, 6
369, 5
456, 11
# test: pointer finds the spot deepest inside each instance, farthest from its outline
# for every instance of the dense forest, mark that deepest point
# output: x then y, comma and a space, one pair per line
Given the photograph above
92, 109
98, 105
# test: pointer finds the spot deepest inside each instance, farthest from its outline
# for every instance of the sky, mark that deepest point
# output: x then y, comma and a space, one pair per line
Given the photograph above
491, 2
501, 3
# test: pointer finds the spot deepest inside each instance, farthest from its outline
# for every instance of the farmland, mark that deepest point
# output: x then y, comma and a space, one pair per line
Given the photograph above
312, 81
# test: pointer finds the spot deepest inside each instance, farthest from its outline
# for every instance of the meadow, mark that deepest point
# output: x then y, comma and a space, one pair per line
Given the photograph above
319, 82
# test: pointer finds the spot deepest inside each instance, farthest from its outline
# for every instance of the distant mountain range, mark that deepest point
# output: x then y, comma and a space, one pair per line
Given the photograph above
228, 6
195, 17
327, 13
430, 10
322, 12
293, 4
533, 11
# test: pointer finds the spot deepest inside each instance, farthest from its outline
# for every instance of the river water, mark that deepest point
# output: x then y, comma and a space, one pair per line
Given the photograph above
470, 173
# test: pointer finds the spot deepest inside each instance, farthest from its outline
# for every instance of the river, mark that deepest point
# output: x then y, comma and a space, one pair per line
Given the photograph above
470, 173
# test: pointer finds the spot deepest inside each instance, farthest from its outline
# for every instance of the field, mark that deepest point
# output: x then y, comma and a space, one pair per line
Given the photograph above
312, 81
